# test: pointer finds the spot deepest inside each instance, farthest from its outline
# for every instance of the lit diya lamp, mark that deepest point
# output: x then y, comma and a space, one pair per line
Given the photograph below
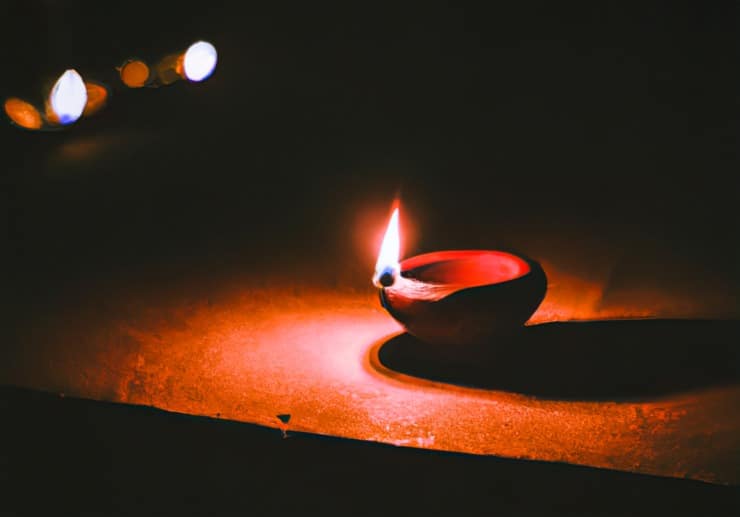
69, 99
195, 64
457, 297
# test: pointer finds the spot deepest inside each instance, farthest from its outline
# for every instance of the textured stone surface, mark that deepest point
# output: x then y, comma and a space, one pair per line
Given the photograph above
255, 354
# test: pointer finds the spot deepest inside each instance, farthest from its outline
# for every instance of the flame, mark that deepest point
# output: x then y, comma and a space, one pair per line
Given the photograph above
199, 61
68, 97
390, 252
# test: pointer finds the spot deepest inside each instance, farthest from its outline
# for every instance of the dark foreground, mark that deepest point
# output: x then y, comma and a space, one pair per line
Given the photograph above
64, 456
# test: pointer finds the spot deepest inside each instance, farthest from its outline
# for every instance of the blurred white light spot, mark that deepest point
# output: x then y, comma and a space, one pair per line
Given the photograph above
68, 97
200, 61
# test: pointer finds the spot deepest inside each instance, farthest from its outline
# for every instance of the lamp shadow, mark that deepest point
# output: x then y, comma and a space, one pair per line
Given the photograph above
596, 360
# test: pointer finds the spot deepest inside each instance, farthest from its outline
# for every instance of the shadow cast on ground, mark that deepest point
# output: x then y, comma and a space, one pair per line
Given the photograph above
584, 360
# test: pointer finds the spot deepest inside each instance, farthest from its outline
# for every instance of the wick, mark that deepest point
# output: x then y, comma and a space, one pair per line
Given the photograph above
386, 278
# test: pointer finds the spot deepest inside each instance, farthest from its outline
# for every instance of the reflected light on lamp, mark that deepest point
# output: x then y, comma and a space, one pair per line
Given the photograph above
23, 113
97, 96
68, 97
199, 61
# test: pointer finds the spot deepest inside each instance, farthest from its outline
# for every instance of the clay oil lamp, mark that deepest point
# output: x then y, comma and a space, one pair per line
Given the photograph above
69, 99
457, 298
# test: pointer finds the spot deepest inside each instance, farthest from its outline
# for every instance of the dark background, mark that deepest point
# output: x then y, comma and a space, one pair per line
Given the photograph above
76, 457
598, 137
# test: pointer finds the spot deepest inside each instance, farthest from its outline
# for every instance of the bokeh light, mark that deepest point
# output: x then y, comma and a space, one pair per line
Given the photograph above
23, 113
97, 96
68, 97
200, 61
134, 73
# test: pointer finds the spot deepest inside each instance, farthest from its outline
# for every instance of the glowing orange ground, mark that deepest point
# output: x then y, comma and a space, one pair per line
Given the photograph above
252, 354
